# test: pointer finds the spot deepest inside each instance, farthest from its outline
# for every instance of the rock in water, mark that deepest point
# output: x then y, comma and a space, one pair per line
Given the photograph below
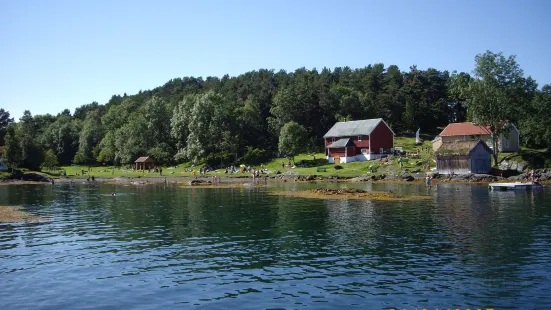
408, 178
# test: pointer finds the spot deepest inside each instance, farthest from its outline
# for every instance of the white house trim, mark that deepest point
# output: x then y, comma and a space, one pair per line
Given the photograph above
518, 131
369, 144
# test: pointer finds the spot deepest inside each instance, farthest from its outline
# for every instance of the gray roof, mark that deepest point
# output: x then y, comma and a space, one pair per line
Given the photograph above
144, 159
341, 143
354, 128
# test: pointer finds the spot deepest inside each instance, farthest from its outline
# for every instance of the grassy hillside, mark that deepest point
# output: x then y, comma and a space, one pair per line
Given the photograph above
536, 158
306, 165
319, 166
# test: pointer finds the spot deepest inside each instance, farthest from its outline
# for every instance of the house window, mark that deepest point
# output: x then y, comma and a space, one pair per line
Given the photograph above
359, 138
505, 143
333, 139
365, 151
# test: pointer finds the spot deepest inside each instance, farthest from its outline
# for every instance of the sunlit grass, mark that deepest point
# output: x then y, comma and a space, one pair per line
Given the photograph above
319, 166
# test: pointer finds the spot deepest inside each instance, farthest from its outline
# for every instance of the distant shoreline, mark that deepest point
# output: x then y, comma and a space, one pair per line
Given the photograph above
244, 179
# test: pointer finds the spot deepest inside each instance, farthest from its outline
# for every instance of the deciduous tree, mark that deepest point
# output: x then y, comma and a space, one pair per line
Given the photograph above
50, 160
498, 88
292, 139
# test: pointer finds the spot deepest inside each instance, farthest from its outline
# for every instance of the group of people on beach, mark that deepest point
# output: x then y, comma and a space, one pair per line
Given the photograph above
243, 170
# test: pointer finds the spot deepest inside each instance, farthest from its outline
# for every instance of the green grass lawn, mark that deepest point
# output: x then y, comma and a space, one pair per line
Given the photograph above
538, 158
348, 170
408, 144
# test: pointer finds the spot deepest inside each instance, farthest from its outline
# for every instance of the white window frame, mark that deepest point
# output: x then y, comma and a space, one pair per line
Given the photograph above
365, 151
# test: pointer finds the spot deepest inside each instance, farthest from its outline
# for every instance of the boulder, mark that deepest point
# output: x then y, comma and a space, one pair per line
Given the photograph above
546, 176
307, 178
198, 182
408, 178
35, 177
485, 178
520, 177
542, 175
518, 166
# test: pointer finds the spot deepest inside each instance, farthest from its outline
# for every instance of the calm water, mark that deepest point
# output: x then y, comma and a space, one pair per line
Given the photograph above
159, 246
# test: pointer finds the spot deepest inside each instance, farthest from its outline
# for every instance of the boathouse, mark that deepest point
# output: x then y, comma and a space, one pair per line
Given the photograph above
144, 163
464, 157
358, 141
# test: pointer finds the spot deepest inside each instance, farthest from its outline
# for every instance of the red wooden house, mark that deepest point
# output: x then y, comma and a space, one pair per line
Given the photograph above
358, 141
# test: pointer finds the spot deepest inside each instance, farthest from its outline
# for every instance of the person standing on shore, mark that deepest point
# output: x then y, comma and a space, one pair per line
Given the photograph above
428, 180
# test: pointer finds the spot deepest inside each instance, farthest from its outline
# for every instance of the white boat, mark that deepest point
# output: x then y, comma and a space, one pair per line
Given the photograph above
514, 186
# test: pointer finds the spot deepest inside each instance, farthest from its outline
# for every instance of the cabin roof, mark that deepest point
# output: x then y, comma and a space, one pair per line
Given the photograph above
461, 147
341, 143
464, 129
355, 128
143, 159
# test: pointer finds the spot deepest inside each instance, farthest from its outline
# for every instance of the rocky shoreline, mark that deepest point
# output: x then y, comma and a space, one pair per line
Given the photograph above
543, 175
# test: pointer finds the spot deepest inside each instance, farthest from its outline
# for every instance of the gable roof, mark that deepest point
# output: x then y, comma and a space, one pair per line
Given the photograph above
355, 128
464, 129
341, 143
143, 159
461, 147
513, 127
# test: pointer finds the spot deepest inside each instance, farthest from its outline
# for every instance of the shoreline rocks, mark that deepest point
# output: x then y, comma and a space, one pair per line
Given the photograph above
517, 166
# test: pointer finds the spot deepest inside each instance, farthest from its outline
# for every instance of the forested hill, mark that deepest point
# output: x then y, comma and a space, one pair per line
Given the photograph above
239, 118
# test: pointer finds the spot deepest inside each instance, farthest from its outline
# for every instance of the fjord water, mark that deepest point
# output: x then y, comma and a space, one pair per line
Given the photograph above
165, 246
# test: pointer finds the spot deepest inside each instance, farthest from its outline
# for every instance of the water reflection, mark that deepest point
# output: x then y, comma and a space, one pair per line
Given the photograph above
165, 245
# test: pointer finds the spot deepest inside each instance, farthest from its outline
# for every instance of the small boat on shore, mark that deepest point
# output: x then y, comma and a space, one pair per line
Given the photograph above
514, 186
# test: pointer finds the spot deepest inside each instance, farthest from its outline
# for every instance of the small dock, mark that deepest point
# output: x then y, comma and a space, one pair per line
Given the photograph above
513, 186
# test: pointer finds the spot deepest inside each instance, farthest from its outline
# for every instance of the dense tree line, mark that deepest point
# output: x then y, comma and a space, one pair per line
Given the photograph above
229, 119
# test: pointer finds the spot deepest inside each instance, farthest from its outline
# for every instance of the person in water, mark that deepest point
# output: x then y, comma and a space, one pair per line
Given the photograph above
113, 194
428, 180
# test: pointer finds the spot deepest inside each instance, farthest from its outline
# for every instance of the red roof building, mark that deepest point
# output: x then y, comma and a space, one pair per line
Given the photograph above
467, 131
463, 129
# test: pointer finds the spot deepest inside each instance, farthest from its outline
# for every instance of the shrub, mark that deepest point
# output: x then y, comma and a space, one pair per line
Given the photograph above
254, 156
219, 159
338, 167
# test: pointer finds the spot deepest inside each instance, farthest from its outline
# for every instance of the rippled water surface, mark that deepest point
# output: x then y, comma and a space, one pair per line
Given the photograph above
158, 246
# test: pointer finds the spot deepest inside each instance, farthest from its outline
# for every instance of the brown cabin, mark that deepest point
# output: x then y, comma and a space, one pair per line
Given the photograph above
144, 163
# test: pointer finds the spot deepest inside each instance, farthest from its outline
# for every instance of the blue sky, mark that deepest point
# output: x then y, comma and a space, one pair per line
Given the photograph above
62, 54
